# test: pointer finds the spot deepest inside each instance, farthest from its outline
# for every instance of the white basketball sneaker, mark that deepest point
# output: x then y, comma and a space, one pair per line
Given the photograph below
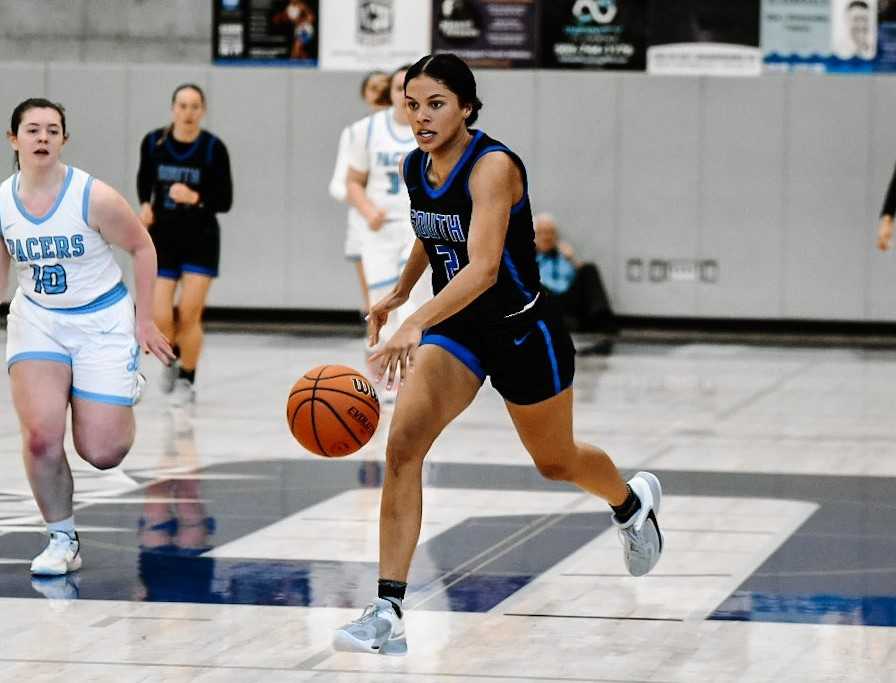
61, 556
184, 393
379, 630
169, 377
642, 540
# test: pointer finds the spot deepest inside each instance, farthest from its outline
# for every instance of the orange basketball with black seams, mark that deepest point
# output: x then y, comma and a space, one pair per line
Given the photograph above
333, 410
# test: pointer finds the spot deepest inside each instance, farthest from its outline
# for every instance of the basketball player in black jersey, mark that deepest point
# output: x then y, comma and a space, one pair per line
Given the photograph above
183, 181
471, 214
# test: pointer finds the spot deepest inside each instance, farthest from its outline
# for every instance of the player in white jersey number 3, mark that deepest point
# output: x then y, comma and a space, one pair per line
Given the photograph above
73, 335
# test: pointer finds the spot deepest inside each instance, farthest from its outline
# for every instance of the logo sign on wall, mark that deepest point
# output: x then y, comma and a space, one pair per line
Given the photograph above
373, 34
277, 31
704, 37
487, 33
598, 34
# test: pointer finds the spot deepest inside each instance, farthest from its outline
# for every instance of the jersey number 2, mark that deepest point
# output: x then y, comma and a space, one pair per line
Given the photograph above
452, 265
49, 279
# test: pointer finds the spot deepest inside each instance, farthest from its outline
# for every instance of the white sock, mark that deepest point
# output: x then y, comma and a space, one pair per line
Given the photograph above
66, 525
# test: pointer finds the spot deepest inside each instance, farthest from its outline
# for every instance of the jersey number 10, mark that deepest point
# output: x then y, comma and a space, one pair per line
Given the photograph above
49, 279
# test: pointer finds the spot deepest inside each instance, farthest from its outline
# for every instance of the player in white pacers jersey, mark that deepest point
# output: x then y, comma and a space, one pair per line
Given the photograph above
375, 93
375, 188
73, 336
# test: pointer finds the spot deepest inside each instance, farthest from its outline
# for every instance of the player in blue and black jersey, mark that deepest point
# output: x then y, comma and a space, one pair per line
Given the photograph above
183, 181
472, 218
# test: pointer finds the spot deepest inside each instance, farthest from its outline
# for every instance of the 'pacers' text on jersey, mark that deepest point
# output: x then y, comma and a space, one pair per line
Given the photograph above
61, 262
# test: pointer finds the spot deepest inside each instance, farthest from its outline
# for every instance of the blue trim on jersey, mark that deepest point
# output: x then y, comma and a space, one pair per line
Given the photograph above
404, 169
369, 131
169, 274
169, 145
110, 298
102, 398
516, 208
354, 258
85, 199
383, 283
435, 194
482, 153
458, 350
198, 270
49, 214
551, 355
389, 120
39, 355
515, 274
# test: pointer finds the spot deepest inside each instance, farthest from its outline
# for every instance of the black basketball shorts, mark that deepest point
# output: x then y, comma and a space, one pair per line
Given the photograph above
527, 362
186, 248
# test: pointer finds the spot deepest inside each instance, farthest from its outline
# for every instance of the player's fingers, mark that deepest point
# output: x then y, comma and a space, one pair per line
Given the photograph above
393, 368
402, 366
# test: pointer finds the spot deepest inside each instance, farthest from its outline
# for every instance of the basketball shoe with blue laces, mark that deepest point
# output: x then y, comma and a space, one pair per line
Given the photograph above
642, 540
379, 631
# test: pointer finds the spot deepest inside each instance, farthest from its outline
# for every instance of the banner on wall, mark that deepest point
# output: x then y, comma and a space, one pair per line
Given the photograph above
820, 35
594, 34
361, 35
704, 38
886, 36
487, 33
265, 31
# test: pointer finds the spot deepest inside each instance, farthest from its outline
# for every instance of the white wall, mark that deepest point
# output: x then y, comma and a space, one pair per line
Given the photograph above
779, 178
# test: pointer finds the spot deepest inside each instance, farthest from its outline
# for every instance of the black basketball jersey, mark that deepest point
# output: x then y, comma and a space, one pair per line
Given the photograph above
203, 165
441, 220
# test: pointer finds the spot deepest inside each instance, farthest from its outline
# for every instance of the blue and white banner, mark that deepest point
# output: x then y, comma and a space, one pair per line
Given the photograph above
833, 36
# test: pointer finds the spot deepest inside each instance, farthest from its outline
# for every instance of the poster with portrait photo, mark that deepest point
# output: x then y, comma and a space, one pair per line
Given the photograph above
487, 33
361, 35
854, 33
704, 38
265, 31
594, 34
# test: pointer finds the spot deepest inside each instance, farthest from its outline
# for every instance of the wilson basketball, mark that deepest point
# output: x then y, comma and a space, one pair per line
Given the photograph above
332, 410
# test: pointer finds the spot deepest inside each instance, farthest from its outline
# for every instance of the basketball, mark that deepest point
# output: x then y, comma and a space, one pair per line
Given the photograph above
332, 410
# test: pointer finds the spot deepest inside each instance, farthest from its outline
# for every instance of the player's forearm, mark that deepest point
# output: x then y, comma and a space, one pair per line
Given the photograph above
145, 266
463, 289
412, 270
357, 197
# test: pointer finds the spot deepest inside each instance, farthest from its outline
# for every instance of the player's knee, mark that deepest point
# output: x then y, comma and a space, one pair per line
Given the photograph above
104, 454
106, 457
189, 316
554, 470
404, 448
43, 444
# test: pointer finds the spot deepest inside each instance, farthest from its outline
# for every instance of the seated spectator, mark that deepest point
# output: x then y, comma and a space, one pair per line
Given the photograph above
575, 287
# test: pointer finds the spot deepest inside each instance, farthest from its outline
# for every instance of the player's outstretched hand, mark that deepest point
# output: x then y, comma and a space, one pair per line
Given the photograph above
152, 341
397, 355
379, 314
